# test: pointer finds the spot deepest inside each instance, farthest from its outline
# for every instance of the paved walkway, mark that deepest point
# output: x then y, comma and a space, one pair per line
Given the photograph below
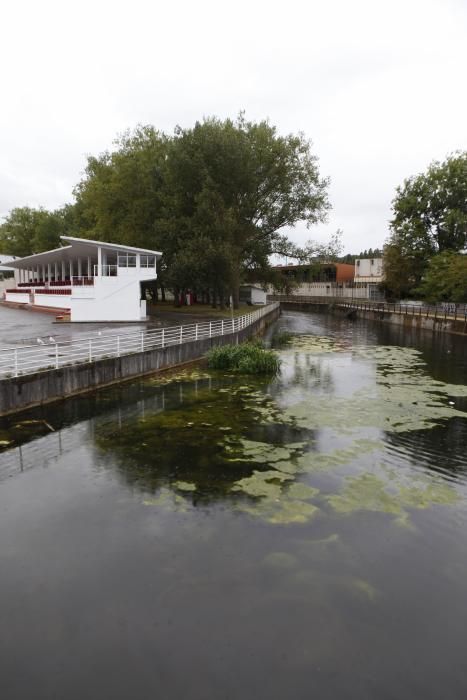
21, 326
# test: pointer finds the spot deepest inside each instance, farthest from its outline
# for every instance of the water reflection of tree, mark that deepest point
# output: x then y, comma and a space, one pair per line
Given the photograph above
309, 372
197, 441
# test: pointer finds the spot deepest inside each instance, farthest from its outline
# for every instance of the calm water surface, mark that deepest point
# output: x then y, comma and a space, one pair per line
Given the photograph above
218, 537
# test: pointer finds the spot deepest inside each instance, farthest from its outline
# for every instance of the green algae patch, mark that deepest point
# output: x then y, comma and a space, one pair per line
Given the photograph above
210, 445
397, 396
282, 512
176, 376
370, 492
261, 452
301, 492
166, 499
315, 344
185, 486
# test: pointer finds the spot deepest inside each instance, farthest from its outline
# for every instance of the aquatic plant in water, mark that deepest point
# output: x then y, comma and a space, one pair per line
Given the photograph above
245, 358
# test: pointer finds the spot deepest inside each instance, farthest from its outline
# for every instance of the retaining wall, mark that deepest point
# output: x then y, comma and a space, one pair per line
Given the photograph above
427, 323
409, 321
18, 393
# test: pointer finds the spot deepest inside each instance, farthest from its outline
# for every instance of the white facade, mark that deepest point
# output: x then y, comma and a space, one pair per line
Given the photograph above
368, 276
93, 280
252, 294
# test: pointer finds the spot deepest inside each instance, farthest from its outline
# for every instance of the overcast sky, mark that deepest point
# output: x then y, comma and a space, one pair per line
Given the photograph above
379, 87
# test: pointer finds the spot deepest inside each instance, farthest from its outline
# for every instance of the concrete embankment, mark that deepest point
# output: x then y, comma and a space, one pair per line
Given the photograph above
415, 321
412, 318
18, 393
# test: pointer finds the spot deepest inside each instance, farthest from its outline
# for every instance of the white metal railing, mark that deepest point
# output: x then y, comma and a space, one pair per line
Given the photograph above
49, 354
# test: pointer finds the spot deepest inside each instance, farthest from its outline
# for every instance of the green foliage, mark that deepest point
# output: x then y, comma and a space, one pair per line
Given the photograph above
26, 231
246, 358
214, 198
445, 279
429, 217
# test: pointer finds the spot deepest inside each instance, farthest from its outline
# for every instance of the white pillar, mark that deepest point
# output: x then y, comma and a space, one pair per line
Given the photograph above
71, 270
55, 271
63, 270
79, 268
89, 266
43, 273
49, 273
99, 261
138, 262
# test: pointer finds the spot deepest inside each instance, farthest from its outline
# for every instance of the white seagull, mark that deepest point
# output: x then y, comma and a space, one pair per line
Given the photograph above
40, 341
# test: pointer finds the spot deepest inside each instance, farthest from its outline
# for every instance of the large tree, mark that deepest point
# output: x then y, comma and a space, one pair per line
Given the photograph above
240, 183
429, 217
214, 198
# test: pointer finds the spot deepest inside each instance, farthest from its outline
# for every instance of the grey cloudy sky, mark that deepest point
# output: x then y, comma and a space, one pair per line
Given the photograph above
379, 86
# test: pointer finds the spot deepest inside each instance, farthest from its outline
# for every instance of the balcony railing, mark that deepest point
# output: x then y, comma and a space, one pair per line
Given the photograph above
83, 281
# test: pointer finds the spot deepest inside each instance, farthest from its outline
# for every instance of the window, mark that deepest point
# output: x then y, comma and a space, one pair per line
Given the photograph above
126, 260
148, 261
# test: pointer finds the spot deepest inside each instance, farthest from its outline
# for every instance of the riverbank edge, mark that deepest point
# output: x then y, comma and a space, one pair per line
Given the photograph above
435, 325
29, 391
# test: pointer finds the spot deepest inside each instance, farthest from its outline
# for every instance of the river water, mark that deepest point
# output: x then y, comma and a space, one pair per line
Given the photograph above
205, 536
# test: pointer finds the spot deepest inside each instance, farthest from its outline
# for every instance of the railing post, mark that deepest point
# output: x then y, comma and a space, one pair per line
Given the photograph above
210, 329
196, 332
56, 355
142, 341
90, 351
222, 327
118, 346
181, 334
163, 337
16, 362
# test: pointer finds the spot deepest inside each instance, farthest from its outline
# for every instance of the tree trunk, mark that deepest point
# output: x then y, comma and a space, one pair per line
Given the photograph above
162, 292
236, 286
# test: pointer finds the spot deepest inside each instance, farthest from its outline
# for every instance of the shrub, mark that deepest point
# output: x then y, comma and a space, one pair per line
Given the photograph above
247, 358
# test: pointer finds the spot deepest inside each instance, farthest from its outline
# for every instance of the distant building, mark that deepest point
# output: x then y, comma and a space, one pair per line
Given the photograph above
318, 279
92, 280
252, 294
359, 281
368, 277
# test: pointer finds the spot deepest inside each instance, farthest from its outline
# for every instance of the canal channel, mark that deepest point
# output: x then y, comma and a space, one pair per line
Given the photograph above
200, 535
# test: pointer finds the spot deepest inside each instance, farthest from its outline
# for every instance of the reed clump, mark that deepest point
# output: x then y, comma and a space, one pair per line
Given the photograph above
246, 358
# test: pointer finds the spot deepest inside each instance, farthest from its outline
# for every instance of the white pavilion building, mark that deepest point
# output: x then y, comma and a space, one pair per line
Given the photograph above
90, 280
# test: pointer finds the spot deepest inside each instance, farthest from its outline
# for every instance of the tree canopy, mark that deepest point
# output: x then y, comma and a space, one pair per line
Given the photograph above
429, 217
26, 231
445, 278
215, 198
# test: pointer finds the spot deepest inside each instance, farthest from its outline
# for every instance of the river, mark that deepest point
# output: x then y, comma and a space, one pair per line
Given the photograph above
197, 535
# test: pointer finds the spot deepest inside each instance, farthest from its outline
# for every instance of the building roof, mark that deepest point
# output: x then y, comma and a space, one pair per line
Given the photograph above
5, 262
78, 247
